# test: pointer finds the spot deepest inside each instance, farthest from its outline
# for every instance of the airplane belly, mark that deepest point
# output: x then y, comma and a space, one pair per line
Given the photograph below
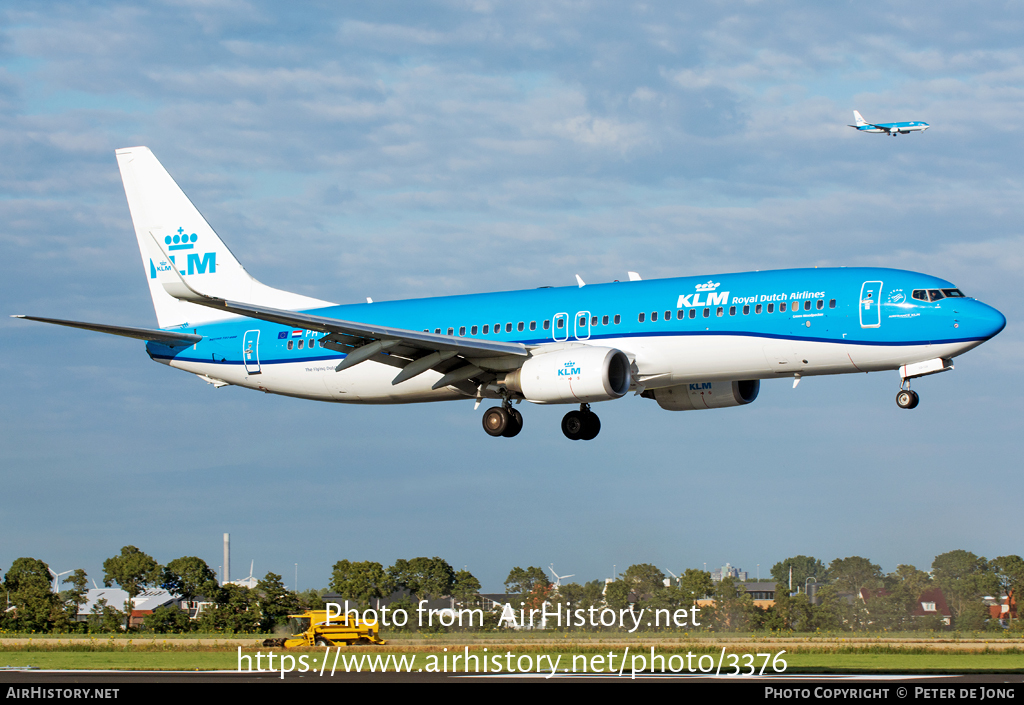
874, 358
370, 383
678, 359
807, 357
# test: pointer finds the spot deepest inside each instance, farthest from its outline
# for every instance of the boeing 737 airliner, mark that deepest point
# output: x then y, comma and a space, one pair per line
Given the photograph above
889, 128
689, 343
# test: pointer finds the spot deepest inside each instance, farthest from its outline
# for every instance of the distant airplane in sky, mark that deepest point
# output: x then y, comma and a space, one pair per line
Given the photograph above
688, 343
889, 128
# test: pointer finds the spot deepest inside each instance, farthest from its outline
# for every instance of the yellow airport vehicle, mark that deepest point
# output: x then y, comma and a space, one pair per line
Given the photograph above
316, 631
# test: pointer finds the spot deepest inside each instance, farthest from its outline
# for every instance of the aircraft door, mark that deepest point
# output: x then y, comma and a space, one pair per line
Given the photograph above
581, 325
870, 305
251, 351
560, 327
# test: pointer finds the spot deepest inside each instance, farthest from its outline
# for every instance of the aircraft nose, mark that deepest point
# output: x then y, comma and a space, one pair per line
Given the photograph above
988, 321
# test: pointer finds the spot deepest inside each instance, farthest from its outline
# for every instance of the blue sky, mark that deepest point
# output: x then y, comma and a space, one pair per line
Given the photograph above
401, 150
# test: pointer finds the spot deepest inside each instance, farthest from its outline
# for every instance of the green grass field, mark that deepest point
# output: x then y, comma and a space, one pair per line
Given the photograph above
893, 656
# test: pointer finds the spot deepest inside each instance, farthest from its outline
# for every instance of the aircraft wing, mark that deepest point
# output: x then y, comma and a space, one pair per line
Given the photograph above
166, 337
360, 333
413, 351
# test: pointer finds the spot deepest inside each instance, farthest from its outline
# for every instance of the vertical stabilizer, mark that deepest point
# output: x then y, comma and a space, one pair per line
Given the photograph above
159, 207
860, 120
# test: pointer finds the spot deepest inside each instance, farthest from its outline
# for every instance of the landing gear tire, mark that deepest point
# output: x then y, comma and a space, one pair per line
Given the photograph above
515, 424
572, 425
582, 425
907, 399
497, 421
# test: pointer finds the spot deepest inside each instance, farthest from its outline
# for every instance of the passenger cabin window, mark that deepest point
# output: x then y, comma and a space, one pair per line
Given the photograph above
547, 324
771, 308
604, 320
508, 327
472, 331
640, 318
757, 309
654, 315
746, 309
820, 305
807, 305
533, 325
291, 344
680, 313
782, 306
519, 327
451, 331
720, 312
593, 321
668, 315
437, 331
832, 303
462, 330
732, 310
618, 318
487, 329
693, 313
300, 344
707, 313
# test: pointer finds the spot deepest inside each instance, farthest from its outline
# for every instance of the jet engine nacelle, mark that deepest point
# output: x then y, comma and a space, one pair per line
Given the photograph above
571, 376
705, 395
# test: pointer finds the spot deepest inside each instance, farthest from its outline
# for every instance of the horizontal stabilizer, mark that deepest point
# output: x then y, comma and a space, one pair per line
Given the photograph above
165, 337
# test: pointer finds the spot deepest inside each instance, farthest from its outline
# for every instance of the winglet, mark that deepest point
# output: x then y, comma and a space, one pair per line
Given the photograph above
633, 276
580, 281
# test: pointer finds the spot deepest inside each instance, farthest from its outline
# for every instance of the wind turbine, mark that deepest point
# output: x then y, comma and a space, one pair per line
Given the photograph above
558, 578
249, 583
56, 578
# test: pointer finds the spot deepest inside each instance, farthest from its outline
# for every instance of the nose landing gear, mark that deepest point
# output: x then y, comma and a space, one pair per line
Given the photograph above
907, 398
582, 425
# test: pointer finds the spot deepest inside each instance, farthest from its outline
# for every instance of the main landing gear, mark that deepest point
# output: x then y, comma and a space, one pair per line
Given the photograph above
503, 420
907, 398
582, 425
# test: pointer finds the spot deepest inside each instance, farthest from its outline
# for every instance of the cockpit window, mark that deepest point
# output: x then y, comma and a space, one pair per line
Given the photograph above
936, 294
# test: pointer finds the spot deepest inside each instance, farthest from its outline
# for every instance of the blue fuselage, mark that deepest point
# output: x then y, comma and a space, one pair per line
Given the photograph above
862, 307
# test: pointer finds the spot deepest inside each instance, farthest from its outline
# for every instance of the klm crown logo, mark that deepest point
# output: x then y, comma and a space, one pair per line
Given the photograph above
710, 286
195, 263
181, 241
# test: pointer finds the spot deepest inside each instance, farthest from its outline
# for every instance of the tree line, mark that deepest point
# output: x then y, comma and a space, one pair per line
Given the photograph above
725, 605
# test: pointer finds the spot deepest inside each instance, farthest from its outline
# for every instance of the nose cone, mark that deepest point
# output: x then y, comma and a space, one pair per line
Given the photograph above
985, 320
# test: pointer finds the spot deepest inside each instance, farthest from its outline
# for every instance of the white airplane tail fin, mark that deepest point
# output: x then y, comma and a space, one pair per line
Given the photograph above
160, 210
859, 119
